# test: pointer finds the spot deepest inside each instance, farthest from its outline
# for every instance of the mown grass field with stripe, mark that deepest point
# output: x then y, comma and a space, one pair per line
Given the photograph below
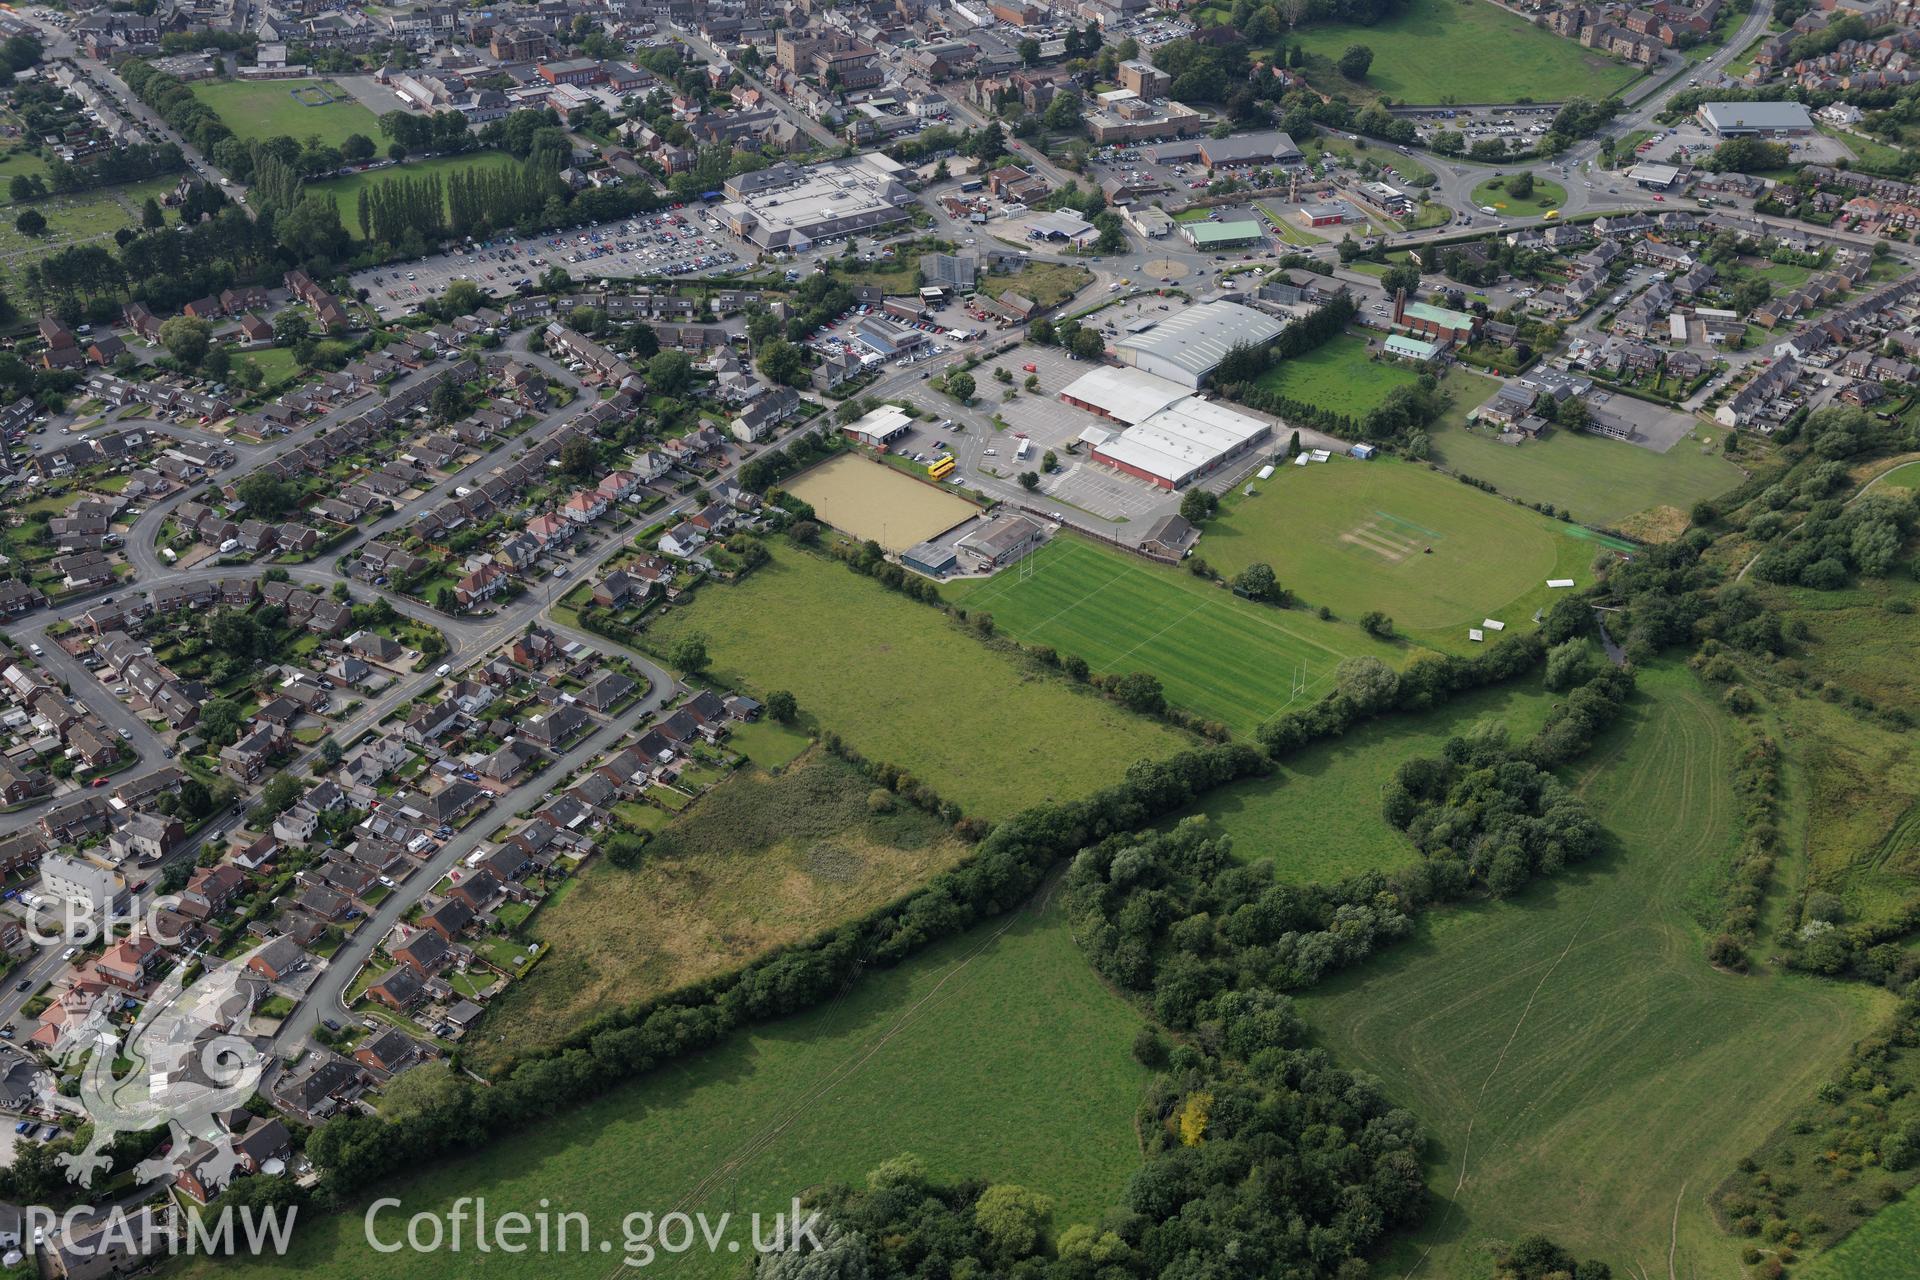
1216, 655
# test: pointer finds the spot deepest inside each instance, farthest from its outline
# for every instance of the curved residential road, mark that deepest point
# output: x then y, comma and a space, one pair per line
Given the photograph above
324, 998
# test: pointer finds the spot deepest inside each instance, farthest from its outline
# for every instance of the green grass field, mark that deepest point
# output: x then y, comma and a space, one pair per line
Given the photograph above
18, 162
274, 363
998, 1056
1291, 821
1437, 51
268, 109
1904, 476
1856, 778
903, 684
1883, 1249
1600, 481
346, 191
1222, 657
1546, 195
1338, 375
1583, 1070
1354, 536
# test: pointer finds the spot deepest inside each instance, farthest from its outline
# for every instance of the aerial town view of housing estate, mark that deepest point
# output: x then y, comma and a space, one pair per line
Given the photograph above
960, 639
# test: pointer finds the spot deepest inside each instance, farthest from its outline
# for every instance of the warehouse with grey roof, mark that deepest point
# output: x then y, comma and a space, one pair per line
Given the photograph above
1190, 346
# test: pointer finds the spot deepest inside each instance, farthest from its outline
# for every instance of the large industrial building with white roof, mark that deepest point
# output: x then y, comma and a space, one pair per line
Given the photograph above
1169, 436
1191, 345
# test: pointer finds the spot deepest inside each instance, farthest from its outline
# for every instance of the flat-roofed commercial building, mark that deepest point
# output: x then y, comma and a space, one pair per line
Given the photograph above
1125, 395
1185, 441
1190, 346
786, 207
1748, 119
1121, 115
1171, 435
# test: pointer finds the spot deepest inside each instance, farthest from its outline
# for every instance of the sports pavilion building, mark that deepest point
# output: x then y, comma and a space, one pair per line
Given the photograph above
1191, 345
1170, 436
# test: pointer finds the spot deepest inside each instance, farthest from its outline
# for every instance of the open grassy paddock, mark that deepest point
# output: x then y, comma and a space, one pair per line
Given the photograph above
1340, 375
256, 109
998, 1055
1222, 657
1582, 1069
903, 684
1437, 51
346, 191
1600, 481
758, 862
868, 499
1319, 819
1355, 536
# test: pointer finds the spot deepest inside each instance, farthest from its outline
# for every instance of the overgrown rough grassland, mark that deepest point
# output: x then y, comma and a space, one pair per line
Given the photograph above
1435, 51
1047, 283
1319, 819
1856, 778
1222, 657
1862, 828
903, 684
1600, 481
1354, 536
268, 109
997, 1056
1339, 376
759, 862
1582, 1068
